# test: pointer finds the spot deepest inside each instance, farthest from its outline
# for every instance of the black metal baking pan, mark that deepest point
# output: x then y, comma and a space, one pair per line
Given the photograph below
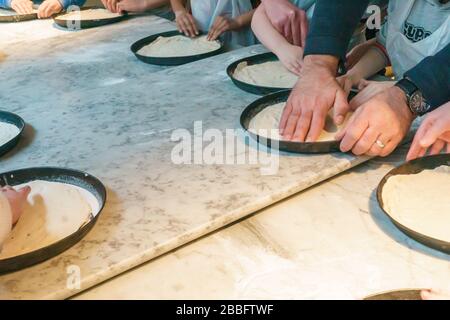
258, 59
251, 88
170, 61
85, 24
288, 146
406, 294
15, 120
414, 167
68, 176
18, 17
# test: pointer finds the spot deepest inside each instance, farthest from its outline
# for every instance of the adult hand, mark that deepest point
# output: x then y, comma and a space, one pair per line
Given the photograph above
22, 6
111, 5
368, 90
314, 94
378, 126
48, 8
289, 20
433, 134
16, 199
186, 23
221, 25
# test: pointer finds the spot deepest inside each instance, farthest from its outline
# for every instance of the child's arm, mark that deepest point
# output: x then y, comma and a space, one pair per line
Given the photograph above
370, 63
5, 218
223, 24
140, 5
50, 7
185, 21
11, 207
289, 55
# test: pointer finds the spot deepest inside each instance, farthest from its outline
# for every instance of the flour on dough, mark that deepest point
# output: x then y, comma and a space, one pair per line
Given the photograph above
270, 74
179, 46
266, 124
90, 14
53, 211
421, 202
7, 132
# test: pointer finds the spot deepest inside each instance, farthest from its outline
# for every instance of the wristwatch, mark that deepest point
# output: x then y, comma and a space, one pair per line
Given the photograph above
416, 101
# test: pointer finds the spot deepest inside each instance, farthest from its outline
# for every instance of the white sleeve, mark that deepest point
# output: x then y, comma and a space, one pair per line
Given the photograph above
5, 219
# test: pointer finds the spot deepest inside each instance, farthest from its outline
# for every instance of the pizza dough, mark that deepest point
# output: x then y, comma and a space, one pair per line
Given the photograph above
179, 46
90, 14
421, 202
7, 132
268, 74
54, 211
266, 124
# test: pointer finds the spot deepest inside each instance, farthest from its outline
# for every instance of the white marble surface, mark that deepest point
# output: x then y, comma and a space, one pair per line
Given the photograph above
120, 132
329, 242
51, 60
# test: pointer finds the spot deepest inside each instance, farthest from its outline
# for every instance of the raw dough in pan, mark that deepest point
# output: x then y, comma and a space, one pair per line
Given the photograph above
268, 74
90, 14
7, 132
53, 211
421, 202
266, 124
179, 46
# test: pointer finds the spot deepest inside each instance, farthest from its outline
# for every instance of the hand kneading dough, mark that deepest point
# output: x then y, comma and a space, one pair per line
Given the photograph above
178, 46
421, 202
90, 14
7, 132
53, 211
268, 74
266, 124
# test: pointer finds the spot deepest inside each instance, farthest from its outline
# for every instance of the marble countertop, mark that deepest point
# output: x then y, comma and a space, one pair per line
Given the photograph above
329, 242
121, 132
53, 60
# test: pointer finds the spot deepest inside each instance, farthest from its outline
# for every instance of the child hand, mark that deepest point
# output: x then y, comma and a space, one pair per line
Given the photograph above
22, 6
16, 199
433, 134
222, 25
48, 8
434, 295
292, 58
367, 90
111, 5
347, 82
186, 23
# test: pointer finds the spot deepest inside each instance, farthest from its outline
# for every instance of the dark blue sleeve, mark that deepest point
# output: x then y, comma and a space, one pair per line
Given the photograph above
332, 26
68, 3
432, 76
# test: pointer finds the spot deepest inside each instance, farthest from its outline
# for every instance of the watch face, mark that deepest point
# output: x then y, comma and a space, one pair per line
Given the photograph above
417, 103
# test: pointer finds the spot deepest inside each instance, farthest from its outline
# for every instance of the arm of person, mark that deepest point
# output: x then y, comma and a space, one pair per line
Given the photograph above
275, 42
139, 5
370, 63
223, 24
432, 77
185, 21
5, 218
317, 90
